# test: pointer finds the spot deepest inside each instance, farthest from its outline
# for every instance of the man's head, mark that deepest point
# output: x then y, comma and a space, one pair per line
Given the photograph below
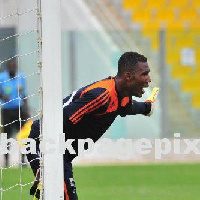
12, 68
133, 71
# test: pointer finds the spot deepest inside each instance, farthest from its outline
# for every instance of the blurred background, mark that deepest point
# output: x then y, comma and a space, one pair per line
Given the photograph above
94, 35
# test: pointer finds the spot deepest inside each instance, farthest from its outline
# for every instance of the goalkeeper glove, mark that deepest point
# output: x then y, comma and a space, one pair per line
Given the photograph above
35, 189
37, 193
152, 99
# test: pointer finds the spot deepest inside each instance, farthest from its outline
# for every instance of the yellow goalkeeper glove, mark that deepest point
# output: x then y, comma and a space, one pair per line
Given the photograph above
37, 192
152, 99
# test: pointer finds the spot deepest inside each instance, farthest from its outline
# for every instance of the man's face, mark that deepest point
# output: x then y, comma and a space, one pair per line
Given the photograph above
139, 80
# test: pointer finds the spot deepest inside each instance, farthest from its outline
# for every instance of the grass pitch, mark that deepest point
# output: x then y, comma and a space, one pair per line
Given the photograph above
136, 182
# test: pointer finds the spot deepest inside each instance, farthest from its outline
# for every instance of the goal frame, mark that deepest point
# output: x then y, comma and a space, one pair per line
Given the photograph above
52, 117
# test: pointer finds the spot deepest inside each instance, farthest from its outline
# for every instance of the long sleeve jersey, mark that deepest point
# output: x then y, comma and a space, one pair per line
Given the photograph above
89, 111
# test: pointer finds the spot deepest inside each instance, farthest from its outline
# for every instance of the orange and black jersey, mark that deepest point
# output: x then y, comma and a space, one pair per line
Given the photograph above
89, 111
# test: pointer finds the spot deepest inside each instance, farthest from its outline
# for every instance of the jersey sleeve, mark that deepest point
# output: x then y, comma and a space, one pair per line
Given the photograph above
134, 108
94, 101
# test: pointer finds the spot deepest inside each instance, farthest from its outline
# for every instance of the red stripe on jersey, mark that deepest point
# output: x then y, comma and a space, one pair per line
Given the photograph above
90, 104
66, 194
96, 106
109, 85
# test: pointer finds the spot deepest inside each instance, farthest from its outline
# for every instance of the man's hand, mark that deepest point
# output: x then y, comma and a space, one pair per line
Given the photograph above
5, 98
152, 99
37, 193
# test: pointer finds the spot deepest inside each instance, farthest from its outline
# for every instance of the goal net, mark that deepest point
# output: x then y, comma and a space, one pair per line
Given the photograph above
30, 76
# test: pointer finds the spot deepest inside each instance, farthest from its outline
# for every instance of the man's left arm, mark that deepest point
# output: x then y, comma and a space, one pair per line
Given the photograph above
135, 108
144, 108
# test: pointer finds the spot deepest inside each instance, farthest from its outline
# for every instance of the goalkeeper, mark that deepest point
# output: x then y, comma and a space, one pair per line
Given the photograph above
90, 111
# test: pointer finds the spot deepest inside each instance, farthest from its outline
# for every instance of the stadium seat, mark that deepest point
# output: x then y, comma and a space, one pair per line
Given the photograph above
155, 4
144, 15
196, 99
173, 55
196, 3
191, 83
188, 14
175, 25
165, 15
178, 3
198, 55
194, 24
132, 4
185, 42
152, 34
198, 69
179, 71
181, 40
180, 18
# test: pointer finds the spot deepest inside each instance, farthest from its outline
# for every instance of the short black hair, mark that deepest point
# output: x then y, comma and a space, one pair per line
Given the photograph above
129, 62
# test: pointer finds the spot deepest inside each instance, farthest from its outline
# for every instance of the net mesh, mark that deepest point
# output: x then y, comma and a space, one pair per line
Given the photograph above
20, 41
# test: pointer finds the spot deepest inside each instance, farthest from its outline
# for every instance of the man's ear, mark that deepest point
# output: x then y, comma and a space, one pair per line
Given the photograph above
129, 76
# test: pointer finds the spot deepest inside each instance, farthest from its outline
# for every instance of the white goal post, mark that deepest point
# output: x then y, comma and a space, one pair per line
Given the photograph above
52, 120
30, 37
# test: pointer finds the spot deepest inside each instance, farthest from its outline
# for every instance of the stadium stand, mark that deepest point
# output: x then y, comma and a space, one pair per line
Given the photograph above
180, 18
141, 21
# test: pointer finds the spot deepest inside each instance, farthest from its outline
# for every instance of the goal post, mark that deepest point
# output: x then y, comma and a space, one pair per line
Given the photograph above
52, 120
33, 49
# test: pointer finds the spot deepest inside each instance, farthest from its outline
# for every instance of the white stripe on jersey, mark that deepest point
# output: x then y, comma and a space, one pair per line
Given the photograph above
70, 99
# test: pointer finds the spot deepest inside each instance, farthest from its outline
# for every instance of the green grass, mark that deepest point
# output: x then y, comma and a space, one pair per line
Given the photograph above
11, 177
136, 182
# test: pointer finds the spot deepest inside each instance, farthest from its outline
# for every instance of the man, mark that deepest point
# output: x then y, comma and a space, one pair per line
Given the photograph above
89, 112
12, 86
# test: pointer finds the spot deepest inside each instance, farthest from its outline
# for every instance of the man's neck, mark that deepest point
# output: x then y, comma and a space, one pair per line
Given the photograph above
119, 85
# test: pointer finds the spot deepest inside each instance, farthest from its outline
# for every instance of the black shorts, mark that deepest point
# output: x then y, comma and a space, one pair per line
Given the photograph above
69, 183
10, 120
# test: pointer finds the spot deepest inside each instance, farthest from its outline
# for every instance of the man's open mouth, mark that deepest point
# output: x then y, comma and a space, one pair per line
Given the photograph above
143, 91
145, 86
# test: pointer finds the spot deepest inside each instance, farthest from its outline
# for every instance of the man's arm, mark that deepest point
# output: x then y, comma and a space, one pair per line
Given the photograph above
144, 108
